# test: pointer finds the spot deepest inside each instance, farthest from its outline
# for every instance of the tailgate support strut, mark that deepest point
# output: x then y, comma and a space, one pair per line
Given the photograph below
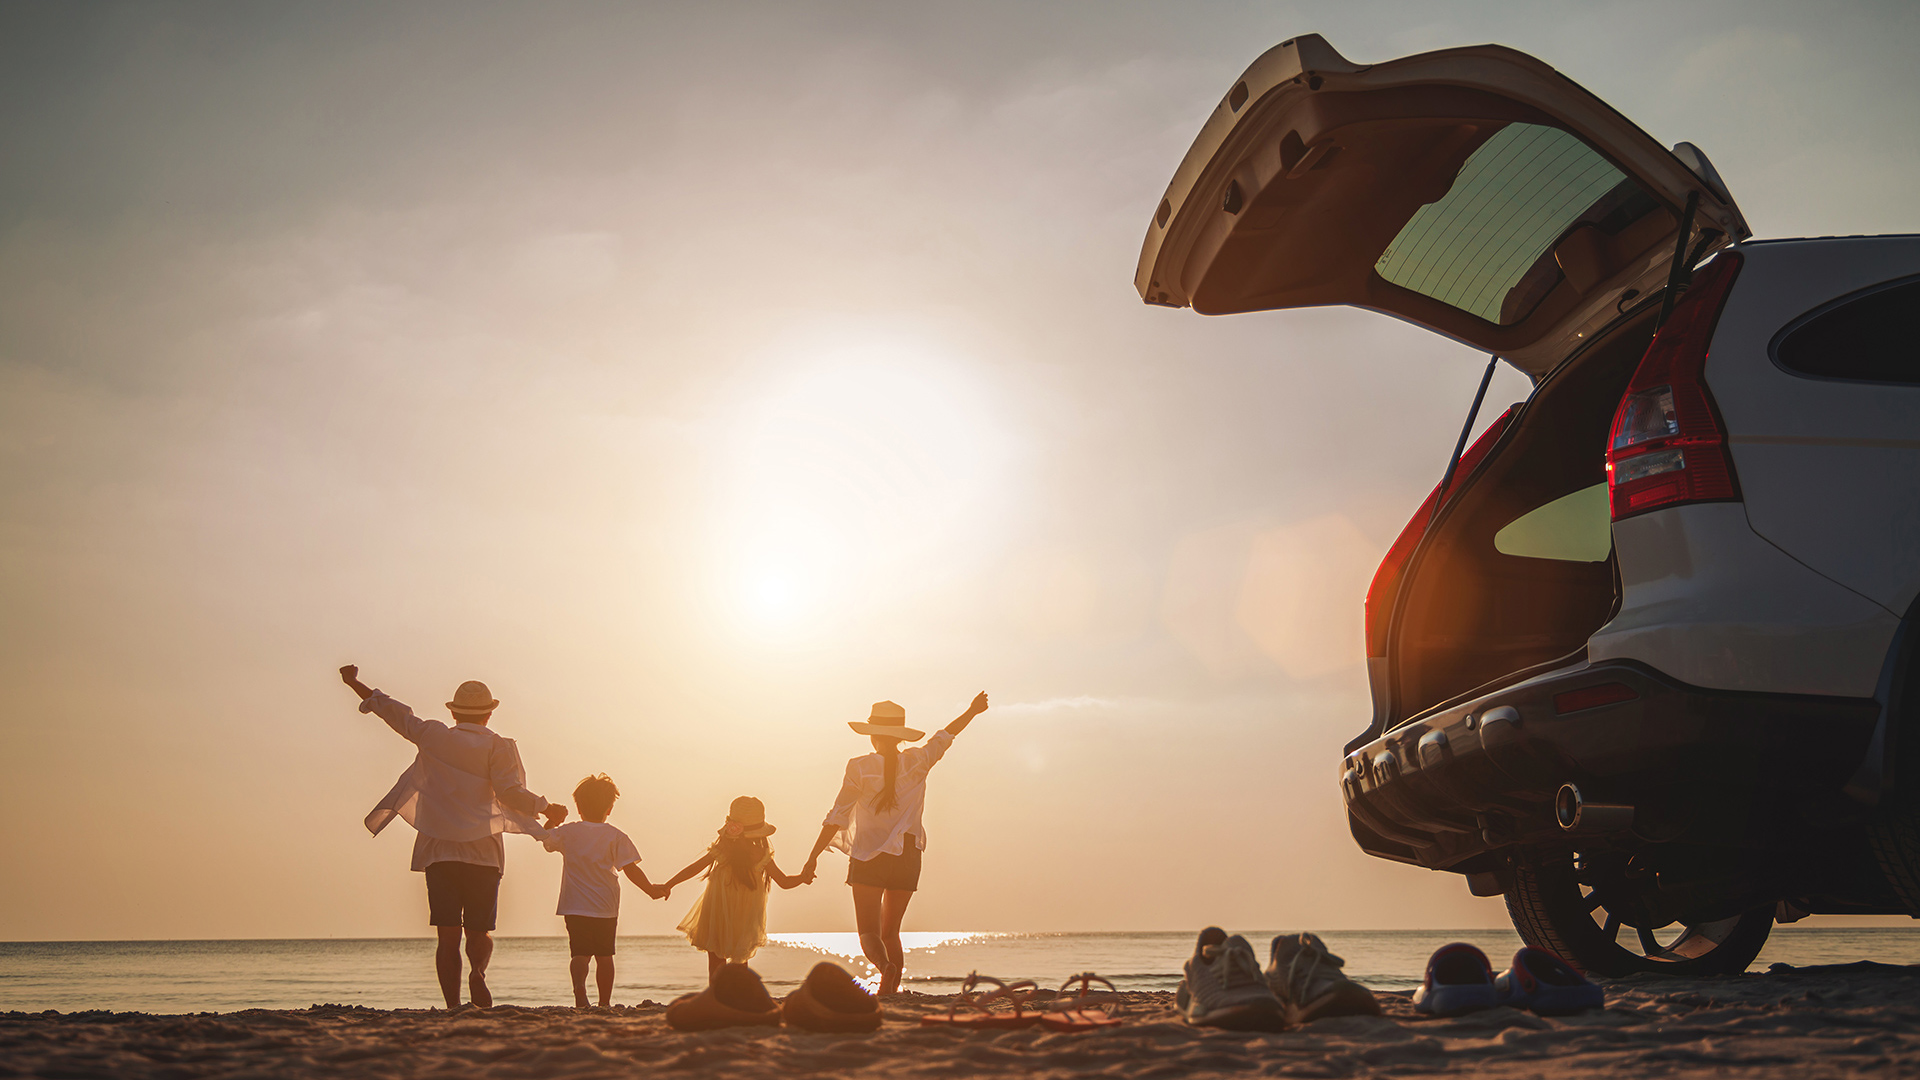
1681, 272
1460, 447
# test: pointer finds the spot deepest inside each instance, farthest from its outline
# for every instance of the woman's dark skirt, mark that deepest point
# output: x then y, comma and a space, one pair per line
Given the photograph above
885, 871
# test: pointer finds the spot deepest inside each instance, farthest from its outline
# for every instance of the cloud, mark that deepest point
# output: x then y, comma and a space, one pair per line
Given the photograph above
1067, 706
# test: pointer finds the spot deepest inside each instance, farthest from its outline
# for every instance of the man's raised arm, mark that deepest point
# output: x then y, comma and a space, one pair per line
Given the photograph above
351, 676
397, 715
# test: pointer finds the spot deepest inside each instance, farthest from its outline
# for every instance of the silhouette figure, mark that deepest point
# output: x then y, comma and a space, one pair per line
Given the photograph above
465, 788
876, 821
589, 885
729, 923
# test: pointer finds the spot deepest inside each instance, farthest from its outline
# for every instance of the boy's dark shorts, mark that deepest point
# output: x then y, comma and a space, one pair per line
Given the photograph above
463, 894
588, 936
900, 872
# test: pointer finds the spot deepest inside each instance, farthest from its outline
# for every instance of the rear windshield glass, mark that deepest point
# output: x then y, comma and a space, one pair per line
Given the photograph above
1870, 337
1484, 247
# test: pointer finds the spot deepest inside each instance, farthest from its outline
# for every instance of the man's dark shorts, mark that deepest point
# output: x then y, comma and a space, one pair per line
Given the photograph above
463, 894
588, 936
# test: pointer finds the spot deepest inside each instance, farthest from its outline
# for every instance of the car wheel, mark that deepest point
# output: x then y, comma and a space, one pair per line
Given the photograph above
1553, 910
1896, 845
1896, 835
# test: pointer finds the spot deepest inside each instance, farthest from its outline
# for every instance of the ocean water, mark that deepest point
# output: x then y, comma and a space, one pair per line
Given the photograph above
225, 976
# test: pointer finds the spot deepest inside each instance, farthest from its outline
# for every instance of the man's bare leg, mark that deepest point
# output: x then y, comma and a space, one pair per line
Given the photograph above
603, 971
446, 961
893, 911
578, 969
479, 951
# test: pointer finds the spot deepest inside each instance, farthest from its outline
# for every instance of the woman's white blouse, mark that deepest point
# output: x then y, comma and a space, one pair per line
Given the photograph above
865, 831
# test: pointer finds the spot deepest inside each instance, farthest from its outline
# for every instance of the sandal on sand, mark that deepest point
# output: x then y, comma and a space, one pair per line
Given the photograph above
1075, 1013
830, 1001
735, 998
980, 1014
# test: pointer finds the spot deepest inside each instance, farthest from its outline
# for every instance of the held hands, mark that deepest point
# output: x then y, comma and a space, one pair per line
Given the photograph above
808, 873
556, 813
659, 892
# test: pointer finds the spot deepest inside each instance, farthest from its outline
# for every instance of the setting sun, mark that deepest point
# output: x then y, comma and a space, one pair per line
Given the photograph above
864, 460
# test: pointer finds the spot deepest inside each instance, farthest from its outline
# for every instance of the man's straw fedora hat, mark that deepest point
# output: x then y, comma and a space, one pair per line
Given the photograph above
887, 719
472, 699
751, 815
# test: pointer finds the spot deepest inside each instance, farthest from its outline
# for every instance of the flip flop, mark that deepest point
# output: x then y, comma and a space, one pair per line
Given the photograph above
1075, 1014
980, 1014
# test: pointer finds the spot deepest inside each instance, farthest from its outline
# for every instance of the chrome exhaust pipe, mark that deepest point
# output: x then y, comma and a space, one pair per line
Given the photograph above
1576, 814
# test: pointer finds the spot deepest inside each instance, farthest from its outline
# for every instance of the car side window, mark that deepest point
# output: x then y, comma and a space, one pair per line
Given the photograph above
1571, 528
1866, 337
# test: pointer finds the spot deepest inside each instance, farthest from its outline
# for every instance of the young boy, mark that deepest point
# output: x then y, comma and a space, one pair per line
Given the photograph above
589, 889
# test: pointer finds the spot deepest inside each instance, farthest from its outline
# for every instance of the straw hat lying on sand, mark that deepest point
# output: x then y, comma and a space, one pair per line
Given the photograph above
831, 1001
828, 1001
735, 998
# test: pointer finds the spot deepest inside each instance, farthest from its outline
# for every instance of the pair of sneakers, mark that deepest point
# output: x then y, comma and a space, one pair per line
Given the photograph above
1225, 987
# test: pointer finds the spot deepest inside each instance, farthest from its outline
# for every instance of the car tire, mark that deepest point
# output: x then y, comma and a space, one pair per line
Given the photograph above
1550, 912
1896, 846
1895, 836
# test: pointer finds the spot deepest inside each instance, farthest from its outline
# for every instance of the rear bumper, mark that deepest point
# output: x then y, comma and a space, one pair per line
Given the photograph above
1455, 789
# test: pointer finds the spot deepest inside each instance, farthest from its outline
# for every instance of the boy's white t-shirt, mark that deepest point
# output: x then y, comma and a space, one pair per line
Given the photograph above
595, 851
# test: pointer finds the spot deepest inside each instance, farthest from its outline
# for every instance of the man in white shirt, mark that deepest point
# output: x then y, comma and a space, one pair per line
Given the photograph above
465, 788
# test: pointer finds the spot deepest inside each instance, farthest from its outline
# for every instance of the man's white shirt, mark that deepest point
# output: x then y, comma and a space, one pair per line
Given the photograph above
464, 789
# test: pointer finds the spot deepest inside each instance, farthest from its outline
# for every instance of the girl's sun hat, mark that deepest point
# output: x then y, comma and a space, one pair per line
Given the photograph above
747, 817
887, 719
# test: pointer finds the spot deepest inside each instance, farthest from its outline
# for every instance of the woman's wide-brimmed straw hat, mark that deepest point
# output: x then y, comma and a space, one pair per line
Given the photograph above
887, 719
472, 699
751, 815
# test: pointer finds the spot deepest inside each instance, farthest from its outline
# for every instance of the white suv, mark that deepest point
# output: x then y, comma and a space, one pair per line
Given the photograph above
1639, 661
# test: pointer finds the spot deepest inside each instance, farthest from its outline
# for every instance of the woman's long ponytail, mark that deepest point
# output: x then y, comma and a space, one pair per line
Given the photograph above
888, 800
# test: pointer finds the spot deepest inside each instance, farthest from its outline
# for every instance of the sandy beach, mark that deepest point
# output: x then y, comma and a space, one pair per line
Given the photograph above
1846, 1020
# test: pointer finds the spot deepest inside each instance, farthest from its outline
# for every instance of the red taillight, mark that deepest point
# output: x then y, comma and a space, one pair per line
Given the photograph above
1667, 445
1386, 580
1592, 697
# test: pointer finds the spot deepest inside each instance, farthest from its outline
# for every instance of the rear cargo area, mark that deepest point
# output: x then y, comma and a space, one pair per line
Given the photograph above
1469, 614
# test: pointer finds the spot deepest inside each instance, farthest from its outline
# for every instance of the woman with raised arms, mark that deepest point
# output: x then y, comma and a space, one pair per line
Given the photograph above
876, 821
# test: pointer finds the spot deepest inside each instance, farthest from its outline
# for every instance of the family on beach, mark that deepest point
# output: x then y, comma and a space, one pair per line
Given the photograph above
467, 787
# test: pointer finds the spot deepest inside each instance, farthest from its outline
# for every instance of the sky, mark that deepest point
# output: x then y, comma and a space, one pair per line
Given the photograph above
697, 375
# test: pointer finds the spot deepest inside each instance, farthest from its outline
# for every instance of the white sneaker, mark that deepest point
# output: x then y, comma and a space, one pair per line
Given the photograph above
1308, 981
1224, 987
